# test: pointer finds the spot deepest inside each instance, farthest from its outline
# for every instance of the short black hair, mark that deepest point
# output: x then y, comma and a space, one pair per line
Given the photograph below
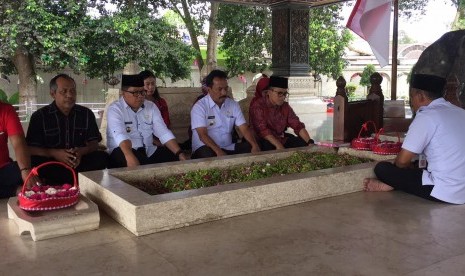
53, 81
215, 74
147, 74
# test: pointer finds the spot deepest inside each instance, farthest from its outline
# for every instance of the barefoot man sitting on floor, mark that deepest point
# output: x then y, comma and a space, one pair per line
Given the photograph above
437, 135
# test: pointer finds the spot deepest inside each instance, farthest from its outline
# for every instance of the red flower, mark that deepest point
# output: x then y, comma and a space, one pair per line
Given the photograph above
36, 189
67, 186
36, 197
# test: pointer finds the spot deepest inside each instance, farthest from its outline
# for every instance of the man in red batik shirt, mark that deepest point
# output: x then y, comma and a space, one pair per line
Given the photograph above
271, 115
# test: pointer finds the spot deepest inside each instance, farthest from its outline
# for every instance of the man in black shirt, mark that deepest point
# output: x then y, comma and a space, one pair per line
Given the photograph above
65, 132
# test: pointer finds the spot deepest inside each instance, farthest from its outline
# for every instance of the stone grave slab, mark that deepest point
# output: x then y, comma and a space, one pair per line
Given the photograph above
366, 154
84, 216
142, 213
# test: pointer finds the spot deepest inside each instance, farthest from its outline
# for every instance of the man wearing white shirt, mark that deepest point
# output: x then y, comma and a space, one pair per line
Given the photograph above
436, 134
213, 118
132, 122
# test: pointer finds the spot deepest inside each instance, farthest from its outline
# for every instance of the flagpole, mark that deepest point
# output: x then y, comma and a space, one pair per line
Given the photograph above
395, 32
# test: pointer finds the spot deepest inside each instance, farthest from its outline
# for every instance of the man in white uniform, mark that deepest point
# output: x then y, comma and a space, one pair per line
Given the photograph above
132, 122
213, 118
436, 134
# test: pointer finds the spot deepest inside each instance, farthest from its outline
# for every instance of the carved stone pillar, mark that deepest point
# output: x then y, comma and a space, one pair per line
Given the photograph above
290, 25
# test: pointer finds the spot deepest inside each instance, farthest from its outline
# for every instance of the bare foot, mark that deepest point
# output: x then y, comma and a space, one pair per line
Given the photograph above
374, 185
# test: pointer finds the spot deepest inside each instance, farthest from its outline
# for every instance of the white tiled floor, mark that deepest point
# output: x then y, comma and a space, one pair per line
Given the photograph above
388, 233
357, 234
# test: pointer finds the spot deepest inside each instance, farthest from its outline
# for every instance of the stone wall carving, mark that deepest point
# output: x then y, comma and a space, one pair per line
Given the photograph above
299, 36
290, 40
280, 26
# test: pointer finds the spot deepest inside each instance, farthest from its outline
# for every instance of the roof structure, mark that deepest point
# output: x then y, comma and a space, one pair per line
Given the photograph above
310, 3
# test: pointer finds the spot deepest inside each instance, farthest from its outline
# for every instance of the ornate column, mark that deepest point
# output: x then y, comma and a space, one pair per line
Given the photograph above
290, 40
290, 25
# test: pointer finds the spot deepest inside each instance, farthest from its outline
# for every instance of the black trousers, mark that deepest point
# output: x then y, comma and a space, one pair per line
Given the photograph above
291, 142
205, 152
407, 179
10, 180
161, 155
56, 174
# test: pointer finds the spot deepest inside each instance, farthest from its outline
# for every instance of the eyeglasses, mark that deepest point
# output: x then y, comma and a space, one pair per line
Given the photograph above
281, 93
137, 93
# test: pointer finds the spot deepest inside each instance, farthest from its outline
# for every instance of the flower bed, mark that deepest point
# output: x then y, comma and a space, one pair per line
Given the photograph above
298, 162
142, 213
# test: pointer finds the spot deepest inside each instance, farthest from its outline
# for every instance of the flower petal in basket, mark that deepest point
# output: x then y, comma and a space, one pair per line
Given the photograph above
364, 143
387, 147
43, 197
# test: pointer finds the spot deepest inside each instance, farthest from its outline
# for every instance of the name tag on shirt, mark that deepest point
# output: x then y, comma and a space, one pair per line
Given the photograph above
422, 161
211, 120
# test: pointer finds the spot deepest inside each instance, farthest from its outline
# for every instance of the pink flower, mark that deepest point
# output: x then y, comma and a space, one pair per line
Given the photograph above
36, 197
36, 189
61, 194
66, 186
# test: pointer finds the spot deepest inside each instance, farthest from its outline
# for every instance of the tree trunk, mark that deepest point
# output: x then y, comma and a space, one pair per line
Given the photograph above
458, 22
24, 63
193, 34
212, 42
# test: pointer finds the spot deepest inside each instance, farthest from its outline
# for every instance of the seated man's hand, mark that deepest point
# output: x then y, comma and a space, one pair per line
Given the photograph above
65, 156
255, 149
220, 152
182, 156
131, 161
157, 142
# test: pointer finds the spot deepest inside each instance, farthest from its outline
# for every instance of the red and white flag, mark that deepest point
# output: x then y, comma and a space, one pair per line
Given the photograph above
371, 20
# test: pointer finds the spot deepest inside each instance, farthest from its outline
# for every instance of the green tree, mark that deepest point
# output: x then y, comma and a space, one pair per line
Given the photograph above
14, 98
53, 34
38, 33
3, 96
246, 37
112, 41
410, 8
195, 14
366, 74
328, 40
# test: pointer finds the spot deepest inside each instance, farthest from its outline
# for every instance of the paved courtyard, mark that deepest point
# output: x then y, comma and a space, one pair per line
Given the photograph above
356, 234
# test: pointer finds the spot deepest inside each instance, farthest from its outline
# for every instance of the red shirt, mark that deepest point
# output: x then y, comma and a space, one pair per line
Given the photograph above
9, 126
163, 107
267, 119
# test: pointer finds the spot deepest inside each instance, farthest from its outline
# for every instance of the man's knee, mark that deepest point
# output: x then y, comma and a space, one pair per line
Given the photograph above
383, 168
11, 180
97, 160
203, 152
243, 147
294, 142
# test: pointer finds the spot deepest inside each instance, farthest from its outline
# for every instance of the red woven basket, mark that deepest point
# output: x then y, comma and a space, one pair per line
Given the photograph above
61, 199
364, 143
386, 147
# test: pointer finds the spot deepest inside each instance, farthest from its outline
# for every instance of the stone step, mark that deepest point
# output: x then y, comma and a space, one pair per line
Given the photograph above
84, 216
